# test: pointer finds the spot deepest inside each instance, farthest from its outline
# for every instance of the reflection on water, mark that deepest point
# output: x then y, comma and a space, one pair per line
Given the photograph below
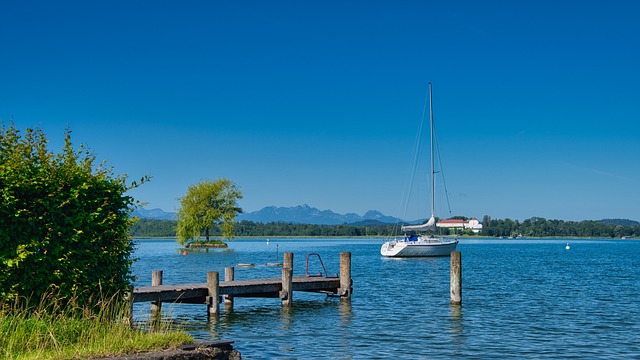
286, 318
520, 300
344, 308
456, 329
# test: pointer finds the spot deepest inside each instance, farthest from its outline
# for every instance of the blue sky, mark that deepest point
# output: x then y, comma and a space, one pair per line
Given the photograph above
537, 102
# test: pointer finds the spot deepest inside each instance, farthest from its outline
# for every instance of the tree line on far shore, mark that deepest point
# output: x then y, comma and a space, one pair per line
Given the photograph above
540, 227
167, 228
533, 227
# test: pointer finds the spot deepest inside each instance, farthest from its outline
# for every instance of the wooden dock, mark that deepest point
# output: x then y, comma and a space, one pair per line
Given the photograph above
214, 292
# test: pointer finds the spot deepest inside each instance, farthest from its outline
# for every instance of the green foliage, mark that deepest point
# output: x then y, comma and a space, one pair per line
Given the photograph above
64, 330
153, 228
205, 204
249, 228
540, 227
468, 232
210, 242
64, 222
621, 222
536, 227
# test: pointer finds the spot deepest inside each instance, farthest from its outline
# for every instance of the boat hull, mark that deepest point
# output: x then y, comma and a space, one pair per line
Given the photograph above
423, 247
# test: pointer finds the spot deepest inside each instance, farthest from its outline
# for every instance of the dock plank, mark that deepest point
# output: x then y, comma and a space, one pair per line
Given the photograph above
197, 293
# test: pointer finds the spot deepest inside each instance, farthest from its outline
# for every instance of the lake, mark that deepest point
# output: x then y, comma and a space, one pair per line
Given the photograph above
520, 299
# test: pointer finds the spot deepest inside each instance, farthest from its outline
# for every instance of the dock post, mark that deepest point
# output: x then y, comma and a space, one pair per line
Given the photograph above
156, 306
213, 284
228, 276
286, 295
288, 260
129, 298
456, 278
345, 276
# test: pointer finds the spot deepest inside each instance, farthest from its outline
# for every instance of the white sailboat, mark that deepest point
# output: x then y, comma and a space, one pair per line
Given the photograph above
422, 244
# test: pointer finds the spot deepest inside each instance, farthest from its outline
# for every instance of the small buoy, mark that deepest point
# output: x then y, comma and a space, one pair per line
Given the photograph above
184, 253
267, 241
567, 247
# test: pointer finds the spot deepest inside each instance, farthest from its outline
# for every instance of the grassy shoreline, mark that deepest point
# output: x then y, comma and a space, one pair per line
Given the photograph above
54, 332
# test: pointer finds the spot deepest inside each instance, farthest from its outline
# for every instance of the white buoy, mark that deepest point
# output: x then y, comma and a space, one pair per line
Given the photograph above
267, 241
567, 247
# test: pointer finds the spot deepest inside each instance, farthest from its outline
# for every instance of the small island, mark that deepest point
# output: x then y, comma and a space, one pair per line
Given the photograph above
207, 244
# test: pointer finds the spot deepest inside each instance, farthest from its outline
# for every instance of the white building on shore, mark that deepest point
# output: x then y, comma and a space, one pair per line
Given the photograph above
472, 224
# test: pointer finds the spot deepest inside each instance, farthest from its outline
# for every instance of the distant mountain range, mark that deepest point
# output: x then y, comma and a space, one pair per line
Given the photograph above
156, 214
302, 214
305, 214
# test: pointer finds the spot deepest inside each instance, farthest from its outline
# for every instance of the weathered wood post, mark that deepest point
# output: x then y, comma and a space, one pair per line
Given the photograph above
345, 276
286, 295
456, 278
288, 260
228, 276
213, 283
156, 306
129, 298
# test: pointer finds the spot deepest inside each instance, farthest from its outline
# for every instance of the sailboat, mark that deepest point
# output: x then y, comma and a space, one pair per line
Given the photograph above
423, 242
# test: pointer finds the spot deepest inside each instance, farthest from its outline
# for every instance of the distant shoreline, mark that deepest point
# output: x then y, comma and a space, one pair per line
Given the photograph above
386, 237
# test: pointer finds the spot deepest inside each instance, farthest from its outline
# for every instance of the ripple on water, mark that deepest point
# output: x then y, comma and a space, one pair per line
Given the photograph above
520, 300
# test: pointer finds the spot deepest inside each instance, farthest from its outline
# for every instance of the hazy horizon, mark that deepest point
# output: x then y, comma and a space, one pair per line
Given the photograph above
389, 215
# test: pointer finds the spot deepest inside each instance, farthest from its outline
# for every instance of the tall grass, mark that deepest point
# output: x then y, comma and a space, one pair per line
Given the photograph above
55, 331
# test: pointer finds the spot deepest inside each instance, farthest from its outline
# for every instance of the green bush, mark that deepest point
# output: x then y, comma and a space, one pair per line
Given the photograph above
64, 222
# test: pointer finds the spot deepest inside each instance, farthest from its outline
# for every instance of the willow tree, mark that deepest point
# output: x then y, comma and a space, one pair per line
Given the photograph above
206, 204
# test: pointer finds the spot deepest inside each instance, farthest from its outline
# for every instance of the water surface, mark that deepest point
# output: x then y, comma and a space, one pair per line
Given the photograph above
521, 299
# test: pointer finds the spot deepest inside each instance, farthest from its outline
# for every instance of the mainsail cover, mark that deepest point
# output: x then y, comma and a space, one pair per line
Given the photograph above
431, 224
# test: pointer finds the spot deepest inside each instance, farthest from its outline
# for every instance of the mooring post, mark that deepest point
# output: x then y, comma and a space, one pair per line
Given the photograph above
156, 306
286, 295
345, 276
213, 285
456, 278
288, 260
129, 299
228, 276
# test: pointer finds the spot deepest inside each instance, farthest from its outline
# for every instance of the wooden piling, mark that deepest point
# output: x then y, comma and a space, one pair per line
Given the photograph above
286, 295
213, 286
456, 278
156, 306
228, 276
288, 260
129, 298
345, 276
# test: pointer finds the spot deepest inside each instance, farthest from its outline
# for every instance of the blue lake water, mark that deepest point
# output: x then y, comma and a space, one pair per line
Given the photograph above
520, 299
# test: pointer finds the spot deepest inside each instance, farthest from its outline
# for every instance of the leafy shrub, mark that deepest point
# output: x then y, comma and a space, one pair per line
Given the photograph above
64, 222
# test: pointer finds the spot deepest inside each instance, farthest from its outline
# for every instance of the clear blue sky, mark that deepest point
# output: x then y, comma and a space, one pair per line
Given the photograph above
318, 102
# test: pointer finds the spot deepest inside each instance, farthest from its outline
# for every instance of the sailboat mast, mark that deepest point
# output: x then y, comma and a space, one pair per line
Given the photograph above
433, 172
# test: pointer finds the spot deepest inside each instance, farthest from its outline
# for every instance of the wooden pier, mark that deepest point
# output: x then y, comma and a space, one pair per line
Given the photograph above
213, 292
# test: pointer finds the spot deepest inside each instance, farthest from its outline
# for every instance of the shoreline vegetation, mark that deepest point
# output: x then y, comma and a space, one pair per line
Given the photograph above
211, 244
493, 228
477, 237
66, 254
56, 330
